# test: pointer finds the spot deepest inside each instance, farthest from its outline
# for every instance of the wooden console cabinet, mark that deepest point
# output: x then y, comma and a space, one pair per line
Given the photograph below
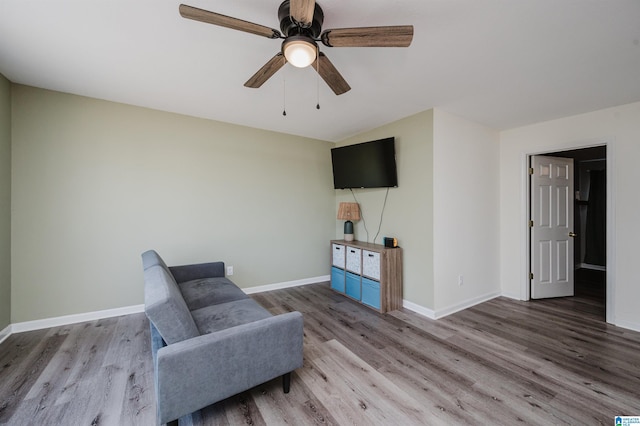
369, 273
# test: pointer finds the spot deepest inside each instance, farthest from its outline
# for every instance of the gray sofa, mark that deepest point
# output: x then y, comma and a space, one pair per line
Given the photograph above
209, 339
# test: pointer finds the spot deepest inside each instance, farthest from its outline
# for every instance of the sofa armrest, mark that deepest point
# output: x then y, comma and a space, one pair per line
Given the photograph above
185, 273
200, 371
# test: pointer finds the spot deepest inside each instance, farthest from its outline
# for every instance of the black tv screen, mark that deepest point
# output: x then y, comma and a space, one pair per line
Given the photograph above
365, 165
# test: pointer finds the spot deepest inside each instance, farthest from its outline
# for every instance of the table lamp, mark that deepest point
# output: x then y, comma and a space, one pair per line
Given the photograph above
348, 212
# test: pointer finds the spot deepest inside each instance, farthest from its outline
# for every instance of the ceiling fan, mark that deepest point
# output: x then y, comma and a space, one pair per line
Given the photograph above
301, 26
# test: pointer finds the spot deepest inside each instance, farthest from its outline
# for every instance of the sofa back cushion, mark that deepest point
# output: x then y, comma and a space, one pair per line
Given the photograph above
165, 307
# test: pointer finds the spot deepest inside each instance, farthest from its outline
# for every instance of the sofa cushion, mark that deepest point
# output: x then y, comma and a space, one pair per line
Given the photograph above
227, 315
165, 307
210, 291
184, 273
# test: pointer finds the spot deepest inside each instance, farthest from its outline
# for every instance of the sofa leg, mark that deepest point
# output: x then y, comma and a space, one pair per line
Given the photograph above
286, 382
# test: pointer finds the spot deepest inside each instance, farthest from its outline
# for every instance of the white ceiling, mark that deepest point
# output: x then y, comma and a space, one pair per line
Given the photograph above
504, 63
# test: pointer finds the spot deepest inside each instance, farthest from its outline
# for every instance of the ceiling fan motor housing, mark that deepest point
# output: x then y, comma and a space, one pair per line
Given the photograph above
289, 27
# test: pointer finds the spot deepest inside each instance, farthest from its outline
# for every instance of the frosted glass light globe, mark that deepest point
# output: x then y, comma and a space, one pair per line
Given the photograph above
299, 52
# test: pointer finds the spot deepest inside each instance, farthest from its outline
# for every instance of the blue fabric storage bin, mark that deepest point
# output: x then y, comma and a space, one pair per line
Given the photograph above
353, 285
371, 293
337, 279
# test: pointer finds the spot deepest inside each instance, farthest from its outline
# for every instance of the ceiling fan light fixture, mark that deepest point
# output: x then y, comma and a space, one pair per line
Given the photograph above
300, 51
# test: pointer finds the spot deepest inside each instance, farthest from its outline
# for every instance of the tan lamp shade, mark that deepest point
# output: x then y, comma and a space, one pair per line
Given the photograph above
349, 211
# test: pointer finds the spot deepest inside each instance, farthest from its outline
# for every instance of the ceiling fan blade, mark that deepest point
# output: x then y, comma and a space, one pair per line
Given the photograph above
302, 11
330, 75
201, 15
267, 70
393, 36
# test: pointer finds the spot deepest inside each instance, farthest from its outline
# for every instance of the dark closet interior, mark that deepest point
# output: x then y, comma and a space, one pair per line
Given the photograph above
590, 220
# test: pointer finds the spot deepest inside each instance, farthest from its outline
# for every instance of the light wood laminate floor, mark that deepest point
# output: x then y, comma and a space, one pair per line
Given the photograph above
501, 362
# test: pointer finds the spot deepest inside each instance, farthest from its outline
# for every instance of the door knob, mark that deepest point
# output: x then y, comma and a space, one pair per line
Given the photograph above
573, 234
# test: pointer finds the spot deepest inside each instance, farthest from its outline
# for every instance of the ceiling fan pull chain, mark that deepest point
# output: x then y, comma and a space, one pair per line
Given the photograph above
284, 95
318, 78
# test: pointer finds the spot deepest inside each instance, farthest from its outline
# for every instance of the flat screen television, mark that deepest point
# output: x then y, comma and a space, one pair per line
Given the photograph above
365, 165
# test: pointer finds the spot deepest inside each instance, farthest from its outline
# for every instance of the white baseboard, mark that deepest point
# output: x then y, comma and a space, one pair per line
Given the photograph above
418, 309
511, 296
75, 318
441, 313
4, 334
126, 310
287, 284
631, 325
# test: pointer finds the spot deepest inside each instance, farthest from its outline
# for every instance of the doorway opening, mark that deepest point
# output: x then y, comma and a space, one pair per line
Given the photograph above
590, 207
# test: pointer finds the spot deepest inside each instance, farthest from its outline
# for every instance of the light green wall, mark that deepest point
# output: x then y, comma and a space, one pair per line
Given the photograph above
5, 202
409, 211
96, 183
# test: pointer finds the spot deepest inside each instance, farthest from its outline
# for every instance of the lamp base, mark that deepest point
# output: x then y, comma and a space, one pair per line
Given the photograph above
348, 231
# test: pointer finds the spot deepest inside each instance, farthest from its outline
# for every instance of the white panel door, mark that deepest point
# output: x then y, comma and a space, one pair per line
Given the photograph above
552, 230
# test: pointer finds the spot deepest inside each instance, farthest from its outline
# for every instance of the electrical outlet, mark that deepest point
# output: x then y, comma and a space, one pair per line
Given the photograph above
229, 270
460, 280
